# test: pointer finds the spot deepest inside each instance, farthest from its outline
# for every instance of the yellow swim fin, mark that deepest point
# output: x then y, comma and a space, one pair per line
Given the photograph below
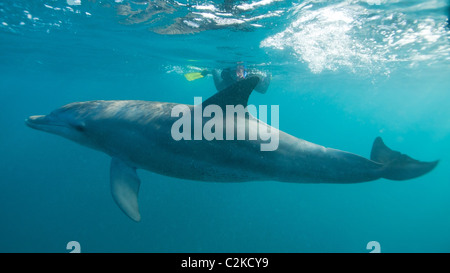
193, 76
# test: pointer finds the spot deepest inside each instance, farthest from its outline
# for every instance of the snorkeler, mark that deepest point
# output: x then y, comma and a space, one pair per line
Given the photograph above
228, 76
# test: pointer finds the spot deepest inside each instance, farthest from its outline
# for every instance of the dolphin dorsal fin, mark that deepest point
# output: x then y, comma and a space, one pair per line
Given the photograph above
236, 94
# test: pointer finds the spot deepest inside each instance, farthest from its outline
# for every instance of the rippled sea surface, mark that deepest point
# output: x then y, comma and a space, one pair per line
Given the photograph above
343, 73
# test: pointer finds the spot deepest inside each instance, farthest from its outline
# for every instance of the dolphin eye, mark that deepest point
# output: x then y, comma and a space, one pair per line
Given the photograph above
79, 128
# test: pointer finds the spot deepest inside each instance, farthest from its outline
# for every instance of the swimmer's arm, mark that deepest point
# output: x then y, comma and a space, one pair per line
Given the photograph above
218, 81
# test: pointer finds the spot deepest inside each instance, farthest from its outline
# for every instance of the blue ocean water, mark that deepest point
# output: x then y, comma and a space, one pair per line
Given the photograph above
343, 72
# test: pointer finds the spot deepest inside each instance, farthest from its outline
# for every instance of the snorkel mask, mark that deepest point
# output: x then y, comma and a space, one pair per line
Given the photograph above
241, 71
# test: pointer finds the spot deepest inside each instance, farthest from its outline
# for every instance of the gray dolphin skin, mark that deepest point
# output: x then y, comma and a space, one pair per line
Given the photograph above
137, 135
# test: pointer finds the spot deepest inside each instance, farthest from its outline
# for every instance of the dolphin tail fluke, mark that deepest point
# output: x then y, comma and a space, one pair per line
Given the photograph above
398, 166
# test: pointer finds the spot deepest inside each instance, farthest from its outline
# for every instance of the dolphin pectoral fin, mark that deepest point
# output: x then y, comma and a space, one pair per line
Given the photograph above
125, 188
236, 94
398, 166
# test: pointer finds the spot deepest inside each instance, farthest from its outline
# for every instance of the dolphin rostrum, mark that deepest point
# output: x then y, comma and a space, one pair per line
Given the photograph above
137, 135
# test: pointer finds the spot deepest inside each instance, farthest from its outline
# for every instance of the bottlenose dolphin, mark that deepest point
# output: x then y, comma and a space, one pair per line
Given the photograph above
137, 135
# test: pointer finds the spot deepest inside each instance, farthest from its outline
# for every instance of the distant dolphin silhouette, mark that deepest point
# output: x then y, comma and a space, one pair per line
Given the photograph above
137, 135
